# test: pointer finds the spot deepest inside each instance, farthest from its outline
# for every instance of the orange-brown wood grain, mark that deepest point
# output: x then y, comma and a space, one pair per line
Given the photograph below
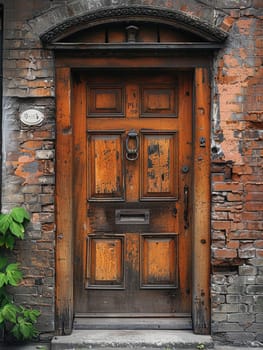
79, 172
154, 123
201, 210
64, 239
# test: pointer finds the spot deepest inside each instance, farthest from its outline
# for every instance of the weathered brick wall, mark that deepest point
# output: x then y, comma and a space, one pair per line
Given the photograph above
28, 179
28, 155
237, 173
236, 151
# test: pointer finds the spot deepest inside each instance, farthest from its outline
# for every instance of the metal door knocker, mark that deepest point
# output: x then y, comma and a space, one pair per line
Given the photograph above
132, 139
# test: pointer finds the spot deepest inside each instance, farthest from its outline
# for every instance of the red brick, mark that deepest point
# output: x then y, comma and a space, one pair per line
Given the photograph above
254, 187
221, 215
225, 253
259, 244
254, 206
237, 226
245, 234
254, 196
228, 186
218, 235
235, 217
218, 177
254, 225
221, 225
229, 207
257, 175
41, 92
48, 226
234, 197
218, 244
258, 3
259, 43
233, 245
259, 253
257, 215
42, 134
32, 145
227, 23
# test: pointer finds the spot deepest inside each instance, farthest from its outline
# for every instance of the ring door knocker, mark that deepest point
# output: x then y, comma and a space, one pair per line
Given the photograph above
132, 138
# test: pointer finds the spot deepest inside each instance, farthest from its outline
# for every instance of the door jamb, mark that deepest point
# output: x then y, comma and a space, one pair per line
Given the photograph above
64, 205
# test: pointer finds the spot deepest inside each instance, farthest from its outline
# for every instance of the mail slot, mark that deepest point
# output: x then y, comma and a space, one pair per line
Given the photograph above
132, 216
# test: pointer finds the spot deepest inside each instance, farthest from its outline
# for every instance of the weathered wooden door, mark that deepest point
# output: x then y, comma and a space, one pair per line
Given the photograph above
133, 258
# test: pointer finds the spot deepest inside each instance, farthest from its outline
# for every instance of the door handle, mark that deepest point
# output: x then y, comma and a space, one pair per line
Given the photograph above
132, 137
186, 205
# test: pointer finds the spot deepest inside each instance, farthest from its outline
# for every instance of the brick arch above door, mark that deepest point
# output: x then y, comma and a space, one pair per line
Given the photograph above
195, 28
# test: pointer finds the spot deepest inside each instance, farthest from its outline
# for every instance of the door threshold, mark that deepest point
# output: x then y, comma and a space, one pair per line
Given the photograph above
131, 339
132, 323
131, 315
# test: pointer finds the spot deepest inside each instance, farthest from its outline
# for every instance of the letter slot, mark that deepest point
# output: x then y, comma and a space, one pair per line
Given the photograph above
132, 216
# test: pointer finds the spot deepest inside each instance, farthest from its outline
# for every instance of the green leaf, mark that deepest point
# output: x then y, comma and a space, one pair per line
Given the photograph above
17, 229
4, 298
13, 274
9, 241
15, 331
2, 240
5, 221
31, 315
26, 329
19, 214
3, 262
9, 312
3, 279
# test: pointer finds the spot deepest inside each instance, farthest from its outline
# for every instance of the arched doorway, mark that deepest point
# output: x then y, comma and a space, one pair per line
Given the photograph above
133, 189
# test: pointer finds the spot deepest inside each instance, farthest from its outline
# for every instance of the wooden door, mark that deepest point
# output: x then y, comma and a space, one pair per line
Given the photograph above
133, 185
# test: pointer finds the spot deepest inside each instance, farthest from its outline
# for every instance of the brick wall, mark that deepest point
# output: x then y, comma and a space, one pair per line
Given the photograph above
28, 156
28, 179
236, 152
237, 173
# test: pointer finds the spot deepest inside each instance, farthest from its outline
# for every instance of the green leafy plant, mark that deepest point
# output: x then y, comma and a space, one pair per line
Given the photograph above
15, 320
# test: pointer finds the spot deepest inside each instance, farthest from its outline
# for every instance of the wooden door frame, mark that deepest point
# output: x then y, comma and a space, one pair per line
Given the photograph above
64, 179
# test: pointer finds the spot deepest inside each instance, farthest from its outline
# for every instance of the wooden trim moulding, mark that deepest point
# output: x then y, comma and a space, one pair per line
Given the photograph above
201, 201
64, 221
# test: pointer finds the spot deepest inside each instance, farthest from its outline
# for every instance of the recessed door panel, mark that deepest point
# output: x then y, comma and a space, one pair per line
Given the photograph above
105, 101
105, 262
158, 101
159, 165
159, 265
105, 165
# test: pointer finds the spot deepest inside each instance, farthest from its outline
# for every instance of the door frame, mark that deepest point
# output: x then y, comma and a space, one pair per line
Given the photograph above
65, 153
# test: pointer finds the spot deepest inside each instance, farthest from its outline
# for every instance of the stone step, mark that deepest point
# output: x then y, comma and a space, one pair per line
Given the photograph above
132, 339
132, 323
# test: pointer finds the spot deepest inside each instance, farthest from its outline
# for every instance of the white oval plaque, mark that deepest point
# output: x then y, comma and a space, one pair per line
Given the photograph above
32, 117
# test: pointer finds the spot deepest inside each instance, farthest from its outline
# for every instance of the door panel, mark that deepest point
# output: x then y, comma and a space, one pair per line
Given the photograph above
159, 153
105, 166
105, 101
105, 262
158, 101
136, 257
159, 266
